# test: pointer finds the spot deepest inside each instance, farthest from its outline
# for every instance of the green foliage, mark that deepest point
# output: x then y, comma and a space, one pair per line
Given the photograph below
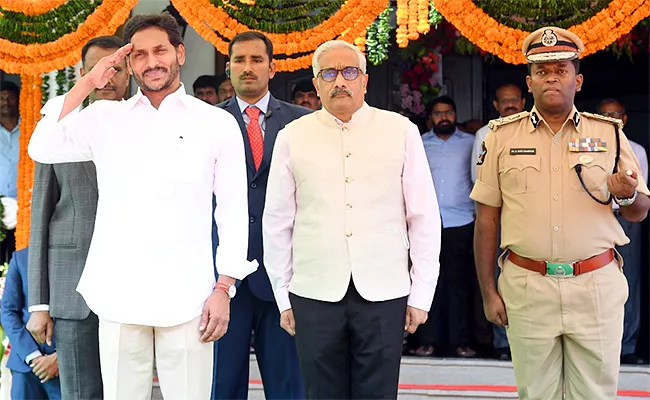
434, 15
45, 89
529, 15
281, 16
48, 27
61, 80
378, 38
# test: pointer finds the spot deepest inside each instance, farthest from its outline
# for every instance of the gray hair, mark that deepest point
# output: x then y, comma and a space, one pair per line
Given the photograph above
336, 44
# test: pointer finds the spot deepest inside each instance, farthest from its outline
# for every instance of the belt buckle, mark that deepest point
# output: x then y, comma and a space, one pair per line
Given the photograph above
559, 270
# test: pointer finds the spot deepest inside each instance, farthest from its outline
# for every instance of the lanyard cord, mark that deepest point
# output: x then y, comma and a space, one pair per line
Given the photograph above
578, 169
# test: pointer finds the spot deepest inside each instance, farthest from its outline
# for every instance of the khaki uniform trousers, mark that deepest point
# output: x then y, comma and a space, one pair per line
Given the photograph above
126, 352
564, 333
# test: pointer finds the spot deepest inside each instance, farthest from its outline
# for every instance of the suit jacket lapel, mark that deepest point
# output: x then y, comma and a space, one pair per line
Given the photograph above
233, 108
91, 171
273, 126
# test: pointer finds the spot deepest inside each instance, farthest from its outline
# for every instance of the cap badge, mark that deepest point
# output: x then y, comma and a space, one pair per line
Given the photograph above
549, 38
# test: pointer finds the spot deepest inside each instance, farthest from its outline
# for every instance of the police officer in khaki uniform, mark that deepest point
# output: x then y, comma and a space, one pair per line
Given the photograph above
549, 176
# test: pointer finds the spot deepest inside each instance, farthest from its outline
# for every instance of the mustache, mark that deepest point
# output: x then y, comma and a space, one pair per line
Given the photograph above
444, 122
247, 75
511, 109
161, 69
107, 87
337, 91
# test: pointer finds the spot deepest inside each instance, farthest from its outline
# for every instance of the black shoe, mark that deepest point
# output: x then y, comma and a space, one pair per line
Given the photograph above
502, 354
632, 359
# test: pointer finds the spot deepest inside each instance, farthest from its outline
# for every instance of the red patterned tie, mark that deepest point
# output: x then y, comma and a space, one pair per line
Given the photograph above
255, 135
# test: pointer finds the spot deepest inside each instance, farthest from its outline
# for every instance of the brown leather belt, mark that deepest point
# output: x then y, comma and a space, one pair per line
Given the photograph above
579, 267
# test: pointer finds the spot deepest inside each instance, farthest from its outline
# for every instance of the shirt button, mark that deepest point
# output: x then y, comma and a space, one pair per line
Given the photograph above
556, 228
347, 155
253, 185
251, 220
348, 180
556, 141
556, 197
348, 234
348, 206
556, 169
520, 168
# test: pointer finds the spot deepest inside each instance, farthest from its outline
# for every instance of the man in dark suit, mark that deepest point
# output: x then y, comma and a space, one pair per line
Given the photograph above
34, 367
64, 204
260, 118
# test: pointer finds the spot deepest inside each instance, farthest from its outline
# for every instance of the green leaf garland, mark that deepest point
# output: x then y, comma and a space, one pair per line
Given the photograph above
281, 16
529, 15
378, 38
61, 79
72, 77
45, 89
48, 27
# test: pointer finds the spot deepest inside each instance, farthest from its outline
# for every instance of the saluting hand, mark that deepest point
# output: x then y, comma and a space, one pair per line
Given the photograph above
623, 183
103, 70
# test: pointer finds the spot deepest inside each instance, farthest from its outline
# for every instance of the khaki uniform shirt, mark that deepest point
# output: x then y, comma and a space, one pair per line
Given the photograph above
529, 172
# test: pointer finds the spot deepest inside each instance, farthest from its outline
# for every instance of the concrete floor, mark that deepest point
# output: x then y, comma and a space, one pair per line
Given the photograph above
436, 378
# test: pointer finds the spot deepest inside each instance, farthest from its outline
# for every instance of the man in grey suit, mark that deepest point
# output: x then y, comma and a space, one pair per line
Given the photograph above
64, 204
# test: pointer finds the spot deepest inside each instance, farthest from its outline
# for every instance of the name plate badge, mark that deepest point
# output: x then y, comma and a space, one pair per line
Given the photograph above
525, 152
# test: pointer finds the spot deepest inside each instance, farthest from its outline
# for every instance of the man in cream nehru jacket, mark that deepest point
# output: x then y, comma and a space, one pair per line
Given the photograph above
349, 198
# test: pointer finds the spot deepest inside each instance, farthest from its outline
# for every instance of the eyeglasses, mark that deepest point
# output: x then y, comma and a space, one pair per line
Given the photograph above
614, 114
330, 74
447, 113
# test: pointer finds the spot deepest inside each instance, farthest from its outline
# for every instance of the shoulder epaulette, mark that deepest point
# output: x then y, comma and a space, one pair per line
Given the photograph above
610, 120
496, 123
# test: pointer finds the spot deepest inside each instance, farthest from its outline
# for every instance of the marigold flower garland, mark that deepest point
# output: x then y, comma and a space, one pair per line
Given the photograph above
485, 32
423, 17
402, 13
30, 109
31, 7
32, 60
217, 27
35, 59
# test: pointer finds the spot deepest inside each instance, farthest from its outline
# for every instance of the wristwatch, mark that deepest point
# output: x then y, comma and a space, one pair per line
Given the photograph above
626, 201
231, 290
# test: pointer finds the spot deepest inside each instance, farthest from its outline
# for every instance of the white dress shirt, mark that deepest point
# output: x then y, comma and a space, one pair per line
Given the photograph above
150, 260
262, 104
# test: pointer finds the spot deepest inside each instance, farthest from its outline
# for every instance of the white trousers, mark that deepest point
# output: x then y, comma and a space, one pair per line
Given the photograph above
183, 362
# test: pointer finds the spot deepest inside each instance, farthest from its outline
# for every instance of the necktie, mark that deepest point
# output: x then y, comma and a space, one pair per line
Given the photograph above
255, 135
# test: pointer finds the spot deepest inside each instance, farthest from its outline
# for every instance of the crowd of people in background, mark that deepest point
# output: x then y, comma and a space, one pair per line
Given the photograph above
57, 334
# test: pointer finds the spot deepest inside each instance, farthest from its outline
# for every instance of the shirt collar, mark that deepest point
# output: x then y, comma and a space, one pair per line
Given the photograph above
535, 119
180, 94
15, 130
431, 134
262, 104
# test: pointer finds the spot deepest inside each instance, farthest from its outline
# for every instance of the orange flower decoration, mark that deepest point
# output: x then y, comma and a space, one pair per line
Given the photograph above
31, 7
217, 27
597, 32
32, 60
